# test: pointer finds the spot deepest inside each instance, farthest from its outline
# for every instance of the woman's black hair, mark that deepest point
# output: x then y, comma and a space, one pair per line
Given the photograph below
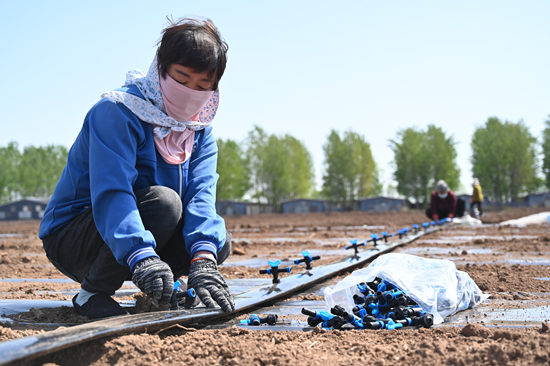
193, 43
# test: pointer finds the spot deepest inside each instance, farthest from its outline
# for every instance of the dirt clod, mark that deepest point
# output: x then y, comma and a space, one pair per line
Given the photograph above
238, 251
475, 330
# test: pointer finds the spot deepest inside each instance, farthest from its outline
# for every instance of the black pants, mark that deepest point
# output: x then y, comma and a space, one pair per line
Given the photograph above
79, 252
479, 208
460, 206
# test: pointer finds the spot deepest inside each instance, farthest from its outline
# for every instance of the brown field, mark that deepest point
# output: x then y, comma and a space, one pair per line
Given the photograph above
510, 264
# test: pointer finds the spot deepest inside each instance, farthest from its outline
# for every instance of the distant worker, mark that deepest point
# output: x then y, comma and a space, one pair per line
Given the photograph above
477, 200
443, 203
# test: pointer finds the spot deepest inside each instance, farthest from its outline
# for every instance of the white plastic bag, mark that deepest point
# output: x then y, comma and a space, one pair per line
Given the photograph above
535, 219
435, 284
467, 220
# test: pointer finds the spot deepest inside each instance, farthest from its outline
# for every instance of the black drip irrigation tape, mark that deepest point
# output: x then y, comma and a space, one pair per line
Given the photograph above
28, 348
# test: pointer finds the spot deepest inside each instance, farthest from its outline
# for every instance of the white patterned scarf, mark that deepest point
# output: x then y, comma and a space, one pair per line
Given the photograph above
151, 109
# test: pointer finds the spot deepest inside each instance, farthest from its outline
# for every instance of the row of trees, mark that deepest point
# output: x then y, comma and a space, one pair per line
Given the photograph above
271, 168
504, 159
421, 158
33, 172
274, 168
350, 170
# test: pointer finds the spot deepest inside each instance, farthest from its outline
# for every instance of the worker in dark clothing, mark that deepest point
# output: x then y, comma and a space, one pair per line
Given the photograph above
444, 203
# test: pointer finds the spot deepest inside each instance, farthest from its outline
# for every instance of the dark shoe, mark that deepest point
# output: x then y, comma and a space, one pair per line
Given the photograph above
99, 306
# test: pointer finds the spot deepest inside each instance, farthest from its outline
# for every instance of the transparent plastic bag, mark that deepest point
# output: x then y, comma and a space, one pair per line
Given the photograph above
435, 284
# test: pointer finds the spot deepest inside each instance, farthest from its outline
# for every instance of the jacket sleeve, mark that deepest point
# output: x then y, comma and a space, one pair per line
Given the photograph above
203, 228
114, 135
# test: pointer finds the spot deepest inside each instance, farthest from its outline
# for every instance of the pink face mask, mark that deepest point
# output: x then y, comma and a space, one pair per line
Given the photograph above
181, 102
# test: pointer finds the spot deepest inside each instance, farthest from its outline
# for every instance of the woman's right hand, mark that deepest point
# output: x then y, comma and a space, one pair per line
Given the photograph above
155, 278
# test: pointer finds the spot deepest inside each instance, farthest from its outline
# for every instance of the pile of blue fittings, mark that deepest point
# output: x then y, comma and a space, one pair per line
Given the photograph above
381, 305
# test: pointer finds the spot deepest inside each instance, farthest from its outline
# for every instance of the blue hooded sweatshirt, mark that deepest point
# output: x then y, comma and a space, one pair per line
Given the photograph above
113, 156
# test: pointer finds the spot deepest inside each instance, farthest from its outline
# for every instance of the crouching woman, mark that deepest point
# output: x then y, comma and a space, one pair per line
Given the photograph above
136, 199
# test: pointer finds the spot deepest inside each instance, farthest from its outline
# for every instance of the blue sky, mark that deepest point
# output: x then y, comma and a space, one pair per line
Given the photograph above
297, 67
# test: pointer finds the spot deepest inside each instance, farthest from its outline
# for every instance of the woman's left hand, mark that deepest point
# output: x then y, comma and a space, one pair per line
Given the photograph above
210, 285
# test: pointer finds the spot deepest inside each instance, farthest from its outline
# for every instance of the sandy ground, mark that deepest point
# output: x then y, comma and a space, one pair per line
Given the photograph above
510, 264
471, 345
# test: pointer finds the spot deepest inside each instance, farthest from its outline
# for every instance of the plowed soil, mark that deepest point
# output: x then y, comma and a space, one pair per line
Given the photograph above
507, 263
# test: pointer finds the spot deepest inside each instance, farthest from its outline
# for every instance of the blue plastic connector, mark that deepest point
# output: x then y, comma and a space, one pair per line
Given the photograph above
390, 325
354, 244
307, 259
326, 319
253, 319
374, 238
274, 263
360, 311
274, 270
190, 292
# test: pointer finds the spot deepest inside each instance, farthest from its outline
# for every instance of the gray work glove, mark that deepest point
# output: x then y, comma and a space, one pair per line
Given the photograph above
209, 284
154, 278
